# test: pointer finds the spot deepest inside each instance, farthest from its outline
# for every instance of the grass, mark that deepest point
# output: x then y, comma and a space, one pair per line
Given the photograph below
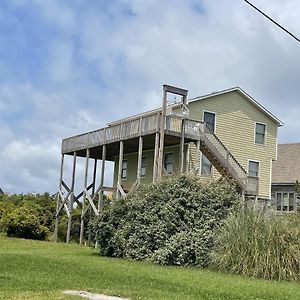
42, 270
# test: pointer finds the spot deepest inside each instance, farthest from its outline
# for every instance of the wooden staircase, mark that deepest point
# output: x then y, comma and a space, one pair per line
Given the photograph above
219, 156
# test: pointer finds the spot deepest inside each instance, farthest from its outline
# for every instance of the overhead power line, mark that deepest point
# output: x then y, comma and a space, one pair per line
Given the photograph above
273, 21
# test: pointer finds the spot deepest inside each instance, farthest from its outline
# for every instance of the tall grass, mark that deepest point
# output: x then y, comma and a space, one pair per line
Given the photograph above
250, 243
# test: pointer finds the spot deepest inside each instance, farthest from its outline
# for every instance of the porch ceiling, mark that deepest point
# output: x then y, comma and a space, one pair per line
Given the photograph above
130, 146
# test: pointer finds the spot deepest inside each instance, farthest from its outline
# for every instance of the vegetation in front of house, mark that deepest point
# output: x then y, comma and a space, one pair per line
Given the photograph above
28, 216
43, 270
263, 246
170, 222
32, 216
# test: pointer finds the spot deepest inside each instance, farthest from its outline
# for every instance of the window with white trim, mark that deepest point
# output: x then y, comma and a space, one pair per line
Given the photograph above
124, 169
168, 162
260, 133
143, 166
253, 168
285, 201
210, 119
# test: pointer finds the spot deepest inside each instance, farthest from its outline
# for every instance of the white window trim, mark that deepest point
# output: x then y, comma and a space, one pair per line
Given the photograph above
215, 132
211, 112
253, 160
266, 130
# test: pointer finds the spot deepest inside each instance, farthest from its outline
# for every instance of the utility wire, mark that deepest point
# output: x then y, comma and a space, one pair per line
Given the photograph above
273, 21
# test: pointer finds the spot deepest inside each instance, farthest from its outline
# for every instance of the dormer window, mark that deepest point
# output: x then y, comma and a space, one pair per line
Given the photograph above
260, 133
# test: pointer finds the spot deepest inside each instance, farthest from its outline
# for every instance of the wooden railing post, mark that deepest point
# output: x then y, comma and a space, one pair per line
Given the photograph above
162, 135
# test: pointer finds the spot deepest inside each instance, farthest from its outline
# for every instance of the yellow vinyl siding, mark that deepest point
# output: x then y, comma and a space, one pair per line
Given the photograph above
235, 126
132, 166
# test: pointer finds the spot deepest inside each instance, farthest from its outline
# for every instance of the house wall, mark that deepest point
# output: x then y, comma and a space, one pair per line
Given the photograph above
235, 126
132, 159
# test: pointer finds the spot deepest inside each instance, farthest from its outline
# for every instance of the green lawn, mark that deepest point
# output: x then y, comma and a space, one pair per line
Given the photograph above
42, 270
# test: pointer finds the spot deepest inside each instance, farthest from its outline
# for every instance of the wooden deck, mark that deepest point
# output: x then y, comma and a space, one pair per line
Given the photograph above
130, 131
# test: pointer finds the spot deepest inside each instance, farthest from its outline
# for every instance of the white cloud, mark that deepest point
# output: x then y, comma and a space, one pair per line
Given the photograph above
109, 60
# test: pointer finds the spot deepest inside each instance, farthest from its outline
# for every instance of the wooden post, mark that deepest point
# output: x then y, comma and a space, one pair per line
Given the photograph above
182, 138
58, 198
100, 202
155, 156
93, 191
94, 176
198, 157
187, 158
162, 135
71, 199
139, 164
120, 169
84, 195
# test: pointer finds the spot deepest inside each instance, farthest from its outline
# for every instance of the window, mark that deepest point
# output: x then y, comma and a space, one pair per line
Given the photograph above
206, 166
209, 119
253, 169
285, 201
124, 169
260, 132
168, 162
143, 166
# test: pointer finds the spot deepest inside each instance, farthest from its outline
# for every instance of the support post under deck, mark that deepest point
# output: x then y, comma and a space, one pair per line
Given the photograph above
181, 153
71, 199
58, 198
84, 195
139, 163
198, 157
120, 170
100, 202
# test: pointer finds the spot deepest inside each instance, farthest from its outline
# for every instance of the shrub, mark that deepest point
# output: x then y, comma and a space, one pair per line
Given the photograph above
27, 216
250, 243
170, 222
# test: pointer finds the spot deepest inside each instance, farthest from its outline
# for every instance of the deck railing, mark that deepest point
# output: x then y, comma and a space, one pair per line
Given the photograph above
194, 130
126, 130
200, 130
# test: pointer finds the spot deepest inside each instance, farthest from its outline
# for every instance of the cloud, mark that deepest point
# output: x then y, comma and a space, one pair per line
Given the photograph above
67, 67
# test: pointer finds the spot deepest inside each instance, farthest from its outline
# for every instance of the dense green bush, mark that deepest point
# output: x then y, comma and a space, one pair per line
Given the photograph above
250, 243
27, 216
170, 222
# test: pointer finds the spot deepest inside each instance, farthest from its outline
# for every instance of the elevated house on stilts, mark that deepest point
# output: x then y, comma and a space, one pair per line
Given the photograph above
225, 133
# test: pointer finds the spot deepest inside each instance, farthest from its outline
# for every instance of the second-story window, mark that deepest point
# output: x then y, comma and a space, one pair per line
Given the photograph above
260, 133
143, 166
168, 162
210, 119
253, 168
124, 169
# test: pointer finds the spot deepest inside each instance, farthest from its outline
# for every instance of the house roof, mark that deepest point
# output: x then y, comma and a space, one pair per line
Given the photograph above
234, 89
286, 169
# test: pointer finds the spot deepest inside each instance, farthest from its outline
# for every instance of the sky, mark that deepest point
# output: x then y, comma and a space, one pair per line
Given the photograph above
70, 66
